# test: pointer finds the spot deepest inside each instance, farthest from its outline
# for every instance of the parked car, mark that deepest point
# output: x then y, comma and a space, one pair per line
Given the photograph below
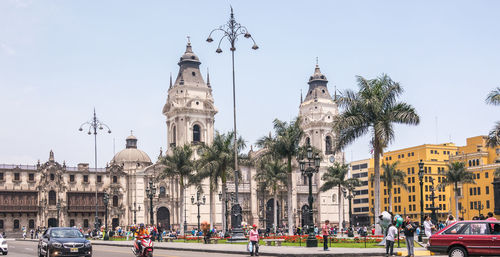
63, 242
467, 238
4, 248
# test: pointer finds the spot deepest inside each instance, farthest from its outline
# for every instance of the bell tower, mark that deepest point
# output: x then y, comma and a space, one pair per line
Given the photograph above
189, 108
317, 112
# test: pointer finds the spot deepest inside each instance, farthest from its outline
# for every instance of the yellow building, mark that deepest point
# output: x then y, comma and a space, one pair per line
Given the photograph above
407, 202
478, 198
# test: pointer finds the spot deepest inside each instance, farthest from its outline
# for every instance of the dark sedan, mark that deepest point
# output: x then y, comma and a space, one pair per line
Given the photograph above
64, 242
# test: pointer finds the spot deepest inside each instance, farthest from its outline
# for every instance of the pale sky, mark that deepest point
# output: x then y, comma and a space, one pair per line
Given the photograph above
60, 59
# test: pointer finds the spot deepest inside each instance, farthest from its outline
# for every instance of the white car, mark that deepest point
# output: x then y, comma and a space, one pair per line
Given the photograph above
4, 248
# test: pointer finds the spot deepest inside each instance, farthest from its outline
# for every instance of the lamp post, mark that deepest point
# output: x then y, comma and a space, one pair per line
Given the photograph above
421, 179
312, 167
350, 196
150, 192
135, 211
229, 197
231, 31
462, 211
93, 125
198, 202
58, 206
479, 208
105, 200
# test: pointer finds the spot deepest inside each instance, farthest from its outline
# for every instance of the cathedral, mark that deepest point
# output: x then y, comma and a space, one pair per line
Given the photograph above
52, 194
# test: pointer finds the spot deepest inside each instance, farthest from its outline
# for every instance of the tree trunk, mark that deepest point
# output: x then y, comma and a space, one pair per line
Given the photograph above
456, 201
289, 195
390, 199
182, 209
212, 207
275, 199
376, 185
341, 211
224, 224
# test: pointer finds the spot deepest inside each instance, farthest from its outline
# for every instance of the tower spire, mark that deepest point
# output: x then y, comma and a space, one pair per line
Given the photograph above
208, 78
301, 96
170, 80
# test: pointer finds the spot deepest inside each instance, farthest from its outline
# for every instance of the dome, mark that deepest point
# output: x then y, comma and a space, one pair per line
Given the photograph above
131, 155
189, 56
317, 76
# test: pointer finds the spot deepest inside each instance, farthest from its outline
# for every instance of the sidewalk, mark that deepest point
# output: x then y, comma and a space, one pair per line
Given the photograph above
240, 249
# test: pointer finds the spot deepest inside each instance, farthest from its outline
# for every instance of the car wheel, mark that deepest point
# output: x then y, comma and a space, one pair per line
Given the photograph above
458, 252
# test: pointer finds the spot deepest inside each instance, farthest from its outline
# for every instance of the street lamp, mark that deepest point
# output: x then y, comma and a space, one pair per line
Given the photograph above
312, 167
462, 211
135, 211
479, 208
58, 206
421, 179
229, 197
105, 200
150, 192
231, 31
93, 125
198, 202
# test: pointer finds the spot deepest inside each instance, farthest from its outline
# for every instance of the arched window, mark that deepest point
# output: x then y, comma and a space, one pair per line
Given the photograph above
470, 163
52, 197
308, 141
196, 133
162, 191
115, 179
115, 201
16, 224
328, 144
174, 135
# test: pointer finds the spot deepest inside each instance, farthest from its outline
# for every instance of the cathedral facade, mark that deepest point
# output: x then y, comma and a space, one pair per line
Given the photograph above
52, 194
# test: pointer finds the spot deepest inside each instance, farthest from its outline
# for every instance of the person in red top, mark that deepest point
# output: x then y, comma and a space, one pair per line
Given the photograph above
324, 231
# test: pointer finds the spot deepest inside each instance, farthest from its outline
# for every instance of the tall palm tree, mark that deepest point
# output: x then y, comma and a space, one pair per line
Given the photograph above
285, 144
494, 135
215, 163
392, 177
180, 165
336, 176
272, 171
455, 175
373, 109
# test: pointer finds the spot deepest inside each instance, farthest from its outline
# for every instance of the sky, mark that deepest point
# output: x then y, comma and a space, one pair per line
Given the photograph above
61, 59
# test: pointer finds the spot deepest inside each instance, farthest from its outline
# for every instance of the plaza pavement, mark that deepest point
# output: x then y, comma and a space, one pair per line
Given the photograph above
240, 249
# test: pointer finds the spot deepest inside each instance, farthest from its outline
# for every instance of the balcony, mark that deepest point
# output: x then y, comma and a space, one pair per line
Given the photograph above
86, 208
18, 208
304, 189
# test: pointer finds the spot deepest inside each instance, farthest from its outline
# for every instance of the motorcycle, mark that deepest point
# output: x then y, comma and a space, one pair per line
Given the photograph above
146, 249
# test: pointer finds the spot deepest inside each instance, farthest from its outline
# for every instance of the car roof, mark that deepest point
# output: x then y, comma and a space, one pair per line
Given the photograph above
474, 221
63, 228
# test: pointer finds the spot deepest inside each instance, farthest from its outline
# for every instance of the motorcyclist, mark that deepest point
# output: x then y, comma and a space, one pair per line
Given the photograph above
139, 234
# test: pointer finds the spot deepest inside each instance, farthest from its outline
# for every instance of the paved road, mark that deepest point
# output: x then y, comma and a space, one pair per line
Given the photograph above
29, 249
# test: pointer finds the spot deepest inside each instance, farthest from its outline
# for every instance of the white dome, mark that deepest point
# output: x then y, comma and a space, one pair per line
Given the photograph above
131, 155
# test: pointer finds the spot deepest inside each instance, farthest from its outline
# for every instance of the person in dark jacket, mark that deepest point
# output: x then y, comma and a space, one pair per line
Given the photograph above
409, 230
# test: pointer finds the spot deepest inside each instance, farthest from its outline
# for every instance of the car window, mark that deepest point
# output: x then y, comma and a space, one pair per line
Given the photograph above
454, 229
66, 233
476, 229
495, 228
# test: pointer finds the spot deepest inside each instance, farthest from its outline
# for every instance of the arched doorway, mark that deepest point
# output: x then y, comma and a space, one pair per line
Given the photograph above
270, 214
305, 216
52, 222
163, 218
115, 222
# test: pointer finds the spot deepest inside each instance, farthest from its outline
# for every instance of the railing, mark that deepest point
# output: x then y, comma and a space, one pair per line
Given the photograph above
243, 187
86, 208
34, 167
18, 208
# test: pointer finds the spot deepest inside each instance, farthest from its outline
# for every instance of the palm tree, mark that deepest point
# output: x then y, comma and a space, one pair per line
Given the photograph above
180, 165
494, 135
215, 163
392, 177
373, 109
272, 171
455, 175
335, 176
285, 144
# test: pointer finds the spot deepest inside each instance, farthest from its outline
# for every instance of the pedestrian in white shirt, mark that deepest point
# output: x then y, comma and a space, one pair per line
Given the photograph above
389, 239
428, 226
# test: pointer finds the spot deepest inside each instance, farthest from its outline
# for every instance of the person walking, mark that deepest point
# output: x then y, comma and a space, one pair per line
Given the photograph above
428, 226
409, 231
390, 238
254, 240
325, 229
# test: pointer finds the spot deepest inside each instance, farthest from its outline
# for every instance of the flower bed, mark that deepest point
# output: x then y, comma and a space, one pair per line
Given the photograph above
302, 239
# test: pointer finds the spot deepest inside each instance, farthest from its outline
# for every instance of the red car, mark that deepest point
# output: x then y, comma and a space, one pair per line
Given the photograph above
464, 238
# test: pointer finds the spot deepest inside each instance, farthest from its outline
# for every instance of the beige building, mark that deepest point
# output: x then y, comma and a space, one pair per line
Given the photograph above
360, 202
31, 197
